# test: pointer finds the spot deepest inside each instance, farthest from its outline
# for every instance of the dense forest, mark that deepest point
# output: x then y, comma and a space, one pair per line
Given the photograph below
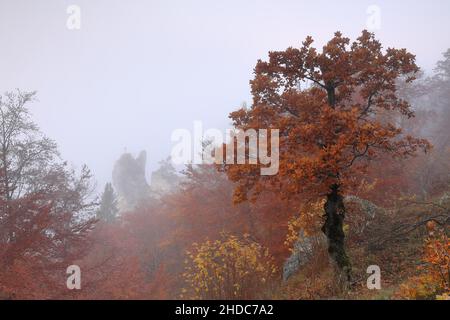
363, 184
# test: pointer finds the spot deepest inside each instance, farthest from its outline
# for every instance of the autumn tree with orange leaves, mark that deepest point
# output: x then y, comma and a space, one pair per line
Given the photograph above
330, 108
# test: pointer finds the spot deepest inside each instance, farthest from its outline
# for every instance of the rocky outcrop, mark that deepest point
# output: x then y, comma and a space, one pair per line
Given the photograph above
303, 250
130, 183
129, 180
445, 199
165, 179
304, 247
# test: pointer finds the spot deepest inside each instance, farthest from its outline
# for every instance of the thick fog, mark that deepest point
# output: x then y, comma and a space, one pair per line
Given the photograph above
137, 70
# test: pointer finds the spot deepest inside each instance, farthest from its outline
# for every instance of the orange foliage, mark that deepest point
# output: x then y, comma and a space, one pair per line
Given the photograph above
434, 280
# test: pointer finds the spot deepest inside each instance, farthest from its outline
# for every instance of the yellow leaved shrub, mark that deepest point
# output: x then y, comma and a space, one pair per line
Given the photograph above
228, 268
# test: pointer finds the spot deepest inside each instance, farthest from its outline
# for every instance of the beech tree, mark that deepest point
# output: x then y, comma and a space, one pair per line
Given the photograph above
45, 208
329, 108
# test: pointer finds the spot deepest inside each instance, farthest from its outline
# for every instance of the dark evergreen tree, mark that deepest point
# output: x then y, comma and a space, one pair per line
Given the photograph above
108, 210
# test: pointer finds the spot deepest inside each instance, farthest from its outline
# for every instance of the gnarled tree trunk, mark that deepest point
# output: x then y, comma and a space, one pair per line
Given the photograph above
333, 228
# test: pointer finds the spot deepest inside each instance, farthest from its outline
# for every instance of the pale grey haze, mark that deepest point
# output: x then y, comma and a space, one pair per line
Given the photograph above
137, 70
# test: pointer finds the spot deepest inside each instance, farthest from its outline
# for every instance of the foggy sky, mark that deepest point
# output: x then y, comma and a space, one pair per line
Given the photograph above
137, 70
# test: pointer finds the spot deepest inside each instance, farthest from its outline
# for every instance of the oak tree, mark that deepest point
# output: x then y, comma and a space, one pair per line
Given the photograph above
329, 106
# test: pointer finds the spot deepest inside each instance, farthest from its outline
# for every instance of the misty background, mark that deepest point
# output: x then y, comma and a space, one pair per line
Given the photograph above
137, 70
